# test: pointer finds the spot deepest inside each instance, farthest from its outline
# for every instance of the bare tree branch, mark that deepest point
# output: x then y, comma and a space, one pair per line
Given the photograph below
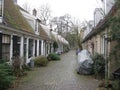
44, 13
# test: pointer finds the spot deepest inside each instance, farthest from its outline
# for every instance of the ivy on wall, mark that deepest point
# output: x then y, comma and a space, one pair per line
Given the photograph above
114, 23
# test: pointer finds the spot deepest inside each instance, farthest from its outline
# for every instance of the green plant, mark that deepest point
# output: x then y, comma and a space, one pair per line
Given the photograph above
26, 67
41, 61
53, 56
55, 45
16, 62
3, 60
116, 84
99, 64
114, 23
6, 76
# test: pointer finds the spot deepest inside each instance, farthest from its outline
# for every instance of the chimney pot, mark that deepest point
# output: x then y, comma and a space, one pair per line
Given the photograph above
34, 12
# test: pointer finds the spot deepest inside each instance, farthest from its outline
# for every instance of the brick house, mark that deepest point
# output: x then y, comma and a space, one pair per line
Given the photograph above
97, 41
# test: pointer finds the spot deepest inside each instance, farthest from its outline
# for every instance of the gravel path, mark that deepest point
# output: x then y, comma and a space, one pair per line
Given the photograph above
58, 75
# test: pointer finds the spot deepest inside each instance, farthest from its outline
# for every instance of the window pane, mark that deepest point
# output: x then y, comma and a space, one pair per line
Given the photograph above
6, 52
6, 39
0, 7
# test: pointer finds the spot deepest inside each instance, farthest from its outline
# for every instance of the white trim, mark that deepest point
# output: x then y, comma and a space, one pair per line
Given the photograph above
27, 41
11, 48
21, 47
38, 47
1, 18
42, 47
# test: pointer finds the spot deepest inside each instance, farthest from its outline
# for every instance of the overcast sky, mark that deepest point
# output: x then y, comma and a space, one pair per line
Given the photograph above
81, 9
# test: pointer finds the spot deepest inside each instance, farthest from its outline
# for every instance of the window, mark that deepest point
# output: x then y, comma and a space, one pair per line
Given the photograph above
35, 47
25, 47
5, 51
5, 47
30, 51
39, 47
1, 7
36, 25
6, 39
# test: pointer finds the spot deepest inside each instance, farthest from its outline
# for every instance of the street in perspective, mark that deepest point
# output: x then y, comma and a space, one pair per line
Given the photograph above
59, 44
59, 75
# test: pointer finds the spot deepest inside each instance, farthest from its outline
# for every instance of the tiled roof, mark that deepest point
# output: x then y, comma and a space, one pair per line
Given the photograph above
13, 17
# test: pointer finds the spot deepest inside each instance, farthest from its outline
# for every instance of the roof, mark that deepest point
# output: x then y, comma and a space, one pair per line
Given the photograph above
58, 38
101, 25
13, 17
44, 32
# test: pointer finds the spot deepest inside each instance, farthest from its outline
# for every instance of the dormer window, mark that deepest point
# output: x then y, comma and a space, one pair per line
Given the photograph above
37, 21
1, 9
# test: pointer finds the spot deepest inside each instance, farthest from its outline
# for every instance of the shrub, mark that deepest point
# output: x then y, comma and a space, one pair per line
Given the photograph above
53, 56
99, 64
26, 67
16, 65
116, 84
41, 61
6, 76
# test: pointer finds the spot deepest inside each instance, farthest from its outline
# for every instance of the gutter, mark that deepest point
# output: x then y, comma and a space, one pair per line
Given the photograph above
19, 31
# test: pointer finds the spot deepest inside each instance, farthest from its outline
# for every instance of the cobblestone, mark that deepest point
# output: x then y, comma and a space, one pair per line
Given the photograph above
58, 75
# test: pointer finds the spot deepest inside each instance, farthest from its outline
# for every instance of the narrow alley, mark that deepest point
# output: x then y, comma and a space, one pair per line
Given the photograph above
58, 75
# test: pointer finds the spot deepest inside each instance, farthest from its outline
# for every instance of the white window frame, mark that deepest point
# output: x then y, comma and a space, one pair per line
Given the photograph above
2, 8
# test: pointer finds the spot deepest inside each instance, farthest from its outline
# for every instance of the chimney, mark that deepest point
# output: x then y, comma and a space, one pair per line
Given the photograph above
34, 12
15, 1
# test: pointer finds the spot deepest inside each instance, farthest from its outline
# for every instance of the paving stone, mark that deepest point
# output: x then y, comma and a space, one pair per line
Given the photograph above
58, 75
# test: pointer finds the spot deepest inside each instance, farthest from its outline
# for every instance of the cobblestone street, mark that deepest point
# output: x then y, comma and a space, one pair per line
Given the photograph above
58, 75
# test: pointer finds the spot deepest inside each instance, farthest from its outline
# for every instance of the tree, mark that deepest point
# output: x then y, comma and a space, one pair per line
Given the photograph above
69, 28
63, 24
44, 13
